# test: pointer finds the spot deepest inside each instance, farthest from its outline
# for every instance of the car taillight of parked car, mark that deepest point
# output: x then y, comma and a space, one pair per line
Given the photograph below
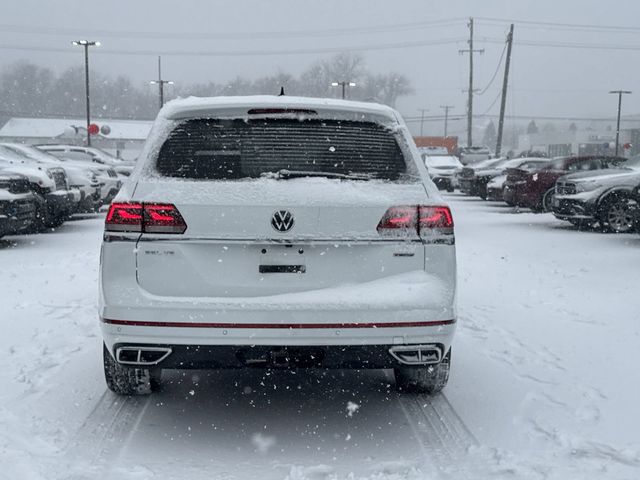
144, 218
411, 220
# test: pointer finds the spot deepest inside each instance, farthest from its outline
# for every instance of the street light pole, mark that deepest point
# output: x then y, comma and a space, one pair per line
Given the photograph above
160, 82
619, 93
344, 85
86, 44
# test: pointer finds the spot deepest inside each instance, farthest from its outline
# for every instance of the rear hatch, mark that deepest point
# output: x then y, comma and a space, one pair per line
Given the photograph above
275, 206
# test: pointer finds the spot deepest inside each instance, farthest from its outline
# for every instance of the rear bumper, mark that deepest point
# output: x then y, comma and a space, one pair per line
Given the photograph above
243, 356
324, 332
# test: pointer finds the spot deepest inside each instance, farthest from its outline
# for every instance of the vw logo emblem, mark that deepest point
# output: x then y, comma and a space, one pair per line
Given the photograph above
282, 221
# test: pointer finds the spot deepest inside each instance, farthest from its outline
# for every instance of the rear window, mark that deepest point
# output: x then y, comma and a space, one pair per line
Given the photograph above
237, 149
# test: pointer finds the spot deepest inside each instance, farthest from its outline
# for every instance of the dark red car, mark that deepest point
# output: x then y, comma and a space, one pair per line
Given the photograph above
535, 190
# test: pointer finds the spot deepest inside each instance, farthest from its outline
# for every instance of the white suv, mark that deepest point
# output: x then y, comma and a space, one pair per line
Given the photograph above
278, 232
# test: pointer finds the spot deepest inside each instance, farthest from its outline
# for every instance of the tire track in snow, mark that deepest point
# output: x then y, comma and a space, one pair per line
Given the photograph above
104, 435
446, 442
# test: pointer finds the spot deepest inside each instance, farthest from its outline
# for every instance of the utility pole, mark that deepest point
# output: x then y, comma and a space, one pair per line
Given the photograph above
446, 117
422, 110
344, 85
160, 82
470, 51
619, 93
86, 44
505, 83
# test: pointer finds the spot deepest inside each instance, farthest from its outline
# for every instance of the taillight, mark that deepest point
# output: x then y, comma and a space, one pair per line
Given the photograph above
124, 217
402, 220
144, 218
435, 217
416, 220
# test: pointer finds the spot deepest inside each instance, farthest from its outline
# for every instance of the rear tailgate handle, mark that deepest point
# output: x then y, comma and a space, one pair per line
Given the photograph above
282, 268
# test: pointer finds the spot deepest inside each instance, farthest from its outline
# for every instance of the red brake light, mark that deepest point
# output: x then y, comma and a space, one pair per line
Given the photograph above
405, 218
144, 217
124, 217
435, 217
162, 218
416, 220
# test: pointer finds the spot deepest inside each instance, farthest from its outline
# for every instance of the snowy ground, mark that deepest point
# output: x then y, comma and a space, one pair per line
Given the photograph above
545, 379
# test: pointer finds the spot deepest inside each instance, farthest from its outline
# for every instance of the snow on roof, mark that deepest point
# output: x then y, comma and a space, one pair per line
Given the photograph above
199, 106
59, 127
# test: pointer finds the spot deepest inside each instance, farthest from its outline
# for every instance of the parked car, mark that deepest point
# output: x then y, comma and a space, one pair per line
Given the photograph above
17, 204
600, 196
472, 155
110, 170
466, 177
480, 177
54, 201
79, 175
535, 190
495, 187
635, 206
278, 232
90, 155
443, 170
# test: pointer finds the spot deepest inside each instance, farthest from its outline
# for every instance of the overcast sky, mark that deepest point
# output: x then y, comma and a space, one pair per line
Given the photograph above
546, 80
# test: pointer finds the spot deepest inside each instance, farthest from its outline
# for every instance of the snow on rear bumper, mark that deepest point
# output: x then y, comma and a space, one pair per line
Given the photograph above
414, 307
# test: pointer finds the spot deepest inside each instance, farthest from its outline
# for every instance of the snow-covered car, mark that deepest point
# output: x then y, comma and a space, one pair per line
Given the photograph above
443, 170
79, 176
54, 200
472, 155
17, 204
278, 232
104, 166
599, 196
90, 155
466, 177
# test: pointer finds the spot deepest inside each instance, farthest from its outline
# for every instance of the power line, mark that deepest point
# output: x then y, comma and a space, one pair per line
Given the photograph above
575, 45
492, 104
496, 72
564, 26
230, 53
155, 35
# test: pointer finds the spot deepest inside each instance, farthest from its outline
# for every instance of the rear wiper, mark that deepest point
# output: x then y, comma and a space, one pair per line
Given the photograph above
284, 174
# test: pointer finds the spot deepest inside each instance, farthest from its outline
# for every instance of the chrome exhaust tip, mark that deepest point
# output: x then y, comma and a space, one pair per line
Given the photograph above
416, 354
142, 356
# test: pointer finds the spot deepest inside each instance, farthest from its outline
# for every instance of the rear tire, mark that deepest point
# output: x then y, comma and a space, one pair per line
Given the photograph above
129, 380
428, 379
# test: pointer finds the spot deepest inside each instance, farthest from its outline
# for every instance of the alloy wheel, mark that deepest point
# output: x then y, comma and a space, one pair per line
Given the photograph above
620, 217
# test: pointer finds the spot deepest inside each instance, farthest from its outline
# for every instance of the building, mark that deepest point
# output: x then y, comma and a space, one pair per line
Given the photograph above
123, 138
591, 140
450, 143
